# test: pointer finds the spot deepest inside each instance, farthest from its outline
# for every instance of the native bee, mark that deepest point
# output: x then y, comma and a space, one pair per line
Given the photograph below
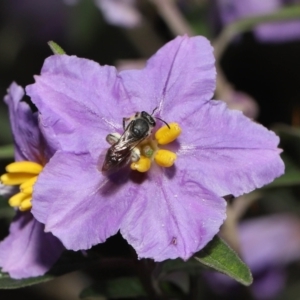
123, 147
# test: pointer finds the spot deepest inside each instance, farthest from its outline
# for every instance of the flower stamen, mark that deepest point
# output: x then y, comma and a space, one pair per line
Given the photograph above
24, 167
17, 199
166, 135
29, 182
165, 158
142, 165
23, 173
15, 178
150, 150
26, 204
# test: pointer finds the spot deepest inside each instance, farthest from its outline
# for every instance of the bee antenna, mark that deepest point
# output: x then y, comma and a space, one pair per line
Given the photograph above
160, 118
154, 110
163, 122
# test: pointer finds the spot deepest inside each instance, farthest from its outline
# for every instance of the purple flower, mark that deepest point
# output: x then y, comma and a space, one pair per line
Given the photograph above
165, 212
232, 10
27, 251
268, 245
117, 12
120, 12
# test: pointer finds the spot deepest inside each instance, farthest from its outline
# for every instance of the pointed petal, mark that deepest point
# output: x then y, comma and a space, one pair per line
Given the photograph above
77, 203
28, 251
79, 101
172, 216
179, 74
24, 125
233, 155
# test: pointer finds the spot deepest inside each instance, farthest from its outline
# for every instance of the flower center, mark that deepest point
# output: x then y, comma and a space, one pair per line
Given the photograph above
23, 173
150, 149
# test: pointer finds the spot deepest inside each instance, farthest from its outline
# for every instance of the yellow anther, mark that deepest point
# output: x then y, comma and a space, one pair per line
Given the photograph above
29, 182
25, 174
165, 158
26, 204
166, 135
142, 165
15, 178
17, 199
28, 190
24, 167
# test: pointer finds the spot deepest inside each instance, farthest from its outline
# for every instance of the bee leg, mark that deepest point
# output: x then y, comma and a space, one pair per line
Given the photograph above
113, 138
124, 122
135, 154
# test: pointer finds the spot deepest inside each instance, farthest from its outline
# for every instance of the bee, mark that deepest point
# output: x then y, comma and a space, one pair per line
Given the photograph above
123, 147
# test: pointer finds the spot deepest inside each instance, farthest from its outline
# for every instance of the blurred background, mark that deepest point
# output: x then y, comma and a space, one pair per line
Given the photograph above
258, 62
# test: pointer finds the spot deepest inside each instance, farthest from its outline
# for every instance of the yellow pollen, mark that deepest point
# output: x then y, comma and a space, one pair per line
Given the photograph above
15, 178
28, 190
166, 135
17, 199
28, 183
142, 165
26, 204
25, 174
24, 167
165, 158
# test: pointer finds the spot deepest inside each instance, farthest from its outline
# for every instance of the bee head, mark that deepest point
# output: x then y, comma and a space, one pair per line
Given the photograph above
148, 118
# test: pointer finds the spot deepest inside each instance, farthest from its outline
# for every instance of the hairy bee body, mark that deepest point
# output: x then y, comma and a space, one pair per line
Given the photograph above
139, 128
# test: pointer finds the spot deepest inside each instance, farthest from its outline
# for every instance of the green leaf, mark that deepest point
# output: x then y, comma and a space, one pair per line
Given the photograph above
6, 151
8, 283
69, 262
124, 287
56, 49
220, 257
216, 255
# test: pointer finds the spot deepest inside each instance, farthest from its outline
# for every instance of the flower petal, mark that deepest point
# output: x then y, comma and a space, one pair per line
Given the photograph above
24, 125
77, 203
269, 284
118, 12
262, 240
233, 155
279, 32
179, 74
172, 216
80, 102
28, 251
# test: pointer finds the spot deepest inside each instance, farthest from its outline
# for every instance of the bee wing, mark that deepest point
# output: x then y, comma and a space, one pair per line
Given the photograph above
119, 154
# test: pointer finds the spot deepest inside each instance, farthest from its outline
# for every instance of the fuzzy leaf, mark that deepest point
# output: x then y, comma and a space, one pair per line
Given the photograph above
220, 257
